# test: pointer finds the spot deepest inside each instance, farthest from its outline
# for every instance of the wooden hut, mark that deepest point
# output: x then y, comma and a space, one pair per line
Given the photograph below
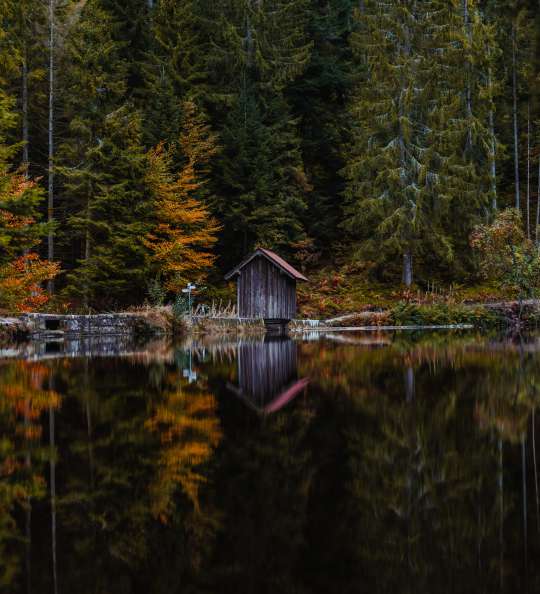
266, 287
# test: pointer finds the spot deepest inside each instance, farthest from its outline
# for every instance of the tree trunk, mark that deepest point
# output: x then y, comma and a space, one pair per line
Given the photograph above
405, 50
407, 269
50, 211
538, 205
493, 151
24, 109
87, 252
528, 171
491, 123
249, 43
468, 89
515, 120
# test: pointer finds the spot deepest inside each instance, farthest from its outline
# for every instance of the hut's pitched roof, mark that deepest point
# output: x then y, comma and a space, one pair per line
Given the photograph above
275, 259
278, 402
286, 396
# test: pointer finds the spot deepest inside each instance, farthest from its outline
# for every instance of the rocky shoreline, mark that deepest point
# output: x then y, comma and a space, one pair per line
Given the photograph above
146, 323
160, 322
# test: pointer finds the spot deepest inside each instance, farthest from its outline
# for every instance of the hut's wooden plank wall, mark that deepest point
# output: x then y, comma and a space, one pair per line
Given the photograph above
264, 291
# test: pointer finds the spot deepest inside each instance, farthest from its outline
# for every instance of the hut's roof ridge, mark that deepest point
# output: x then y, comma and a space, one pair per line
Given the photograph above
273, 257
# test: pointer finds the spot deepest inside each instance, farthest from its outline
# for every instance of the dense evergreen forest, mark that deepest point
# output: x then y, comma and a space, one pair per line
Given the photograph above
146, 143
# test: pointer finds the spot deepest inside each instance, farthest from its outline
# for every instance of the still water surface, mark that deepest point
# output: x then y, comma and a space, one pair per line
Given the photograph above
391, 463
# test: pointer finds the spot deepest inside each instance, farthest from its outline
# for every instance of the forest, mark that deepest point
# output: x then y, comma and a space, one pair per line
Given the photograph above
145, 144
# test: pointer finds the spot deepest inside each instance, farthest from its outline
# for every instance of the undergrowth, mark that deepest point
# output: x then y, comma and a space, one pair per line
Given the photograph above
443, 314
330, 293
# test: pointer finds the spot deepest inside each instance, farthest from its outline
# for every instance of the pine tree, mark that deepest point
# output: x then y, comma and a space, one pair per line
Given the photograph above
114, 268
174, 68
23, 63
467, 138
93, 65
102, 180
382, 172
411, 171
263, 198
185, 232
513, 25
319, 98
133, 22
261, 178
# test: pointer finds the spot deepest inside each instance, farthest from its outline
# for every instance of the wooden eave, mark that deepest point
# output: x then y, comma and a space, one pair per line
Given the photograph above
272, 257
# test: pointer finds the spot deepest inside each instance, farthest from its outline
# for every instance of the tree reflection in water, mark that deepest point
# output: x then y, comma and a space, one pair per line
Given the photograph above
347, 464
25, 401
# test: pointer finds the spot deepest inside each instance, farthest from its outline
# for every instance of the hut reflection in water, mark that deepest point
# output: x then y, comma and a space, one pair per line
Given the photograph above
268, 374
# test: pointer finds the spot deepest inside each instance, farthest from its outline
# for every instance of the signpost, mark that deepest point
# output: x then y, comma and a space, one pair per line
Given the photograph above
189, 374
189, 288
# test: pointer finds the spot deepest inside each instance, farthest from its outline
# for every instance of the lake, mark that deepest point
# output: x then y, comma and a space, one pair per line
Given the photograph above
335, 463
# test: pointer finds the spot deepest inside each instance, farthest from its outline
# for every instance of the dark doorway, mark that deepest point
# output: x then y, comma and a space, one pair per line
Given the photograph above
52, 324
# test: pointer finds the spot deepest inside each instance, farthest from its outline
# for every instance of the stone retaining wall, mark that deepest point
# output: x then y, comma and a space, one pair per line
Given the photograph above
12, 328
53, 326
114, 324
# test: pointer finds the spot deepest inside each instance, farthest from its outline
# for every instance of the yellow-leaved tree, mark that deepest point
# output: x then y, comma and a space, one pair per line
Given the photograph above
184, 233
22, 271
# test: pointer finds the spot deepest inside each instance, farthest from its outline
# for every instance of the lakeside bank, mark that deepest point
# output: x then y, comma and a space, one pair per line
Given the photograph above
160, 321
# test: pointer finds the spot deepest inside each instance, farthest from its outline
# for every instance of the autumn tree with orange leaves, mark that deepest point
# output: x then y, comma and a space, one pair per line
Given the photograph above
22, 271
184, 232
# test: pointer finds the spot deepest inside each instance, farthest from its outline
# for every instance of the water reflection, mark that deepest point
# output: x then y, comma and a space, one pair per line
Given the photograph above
26, 399
268, 373
407, 464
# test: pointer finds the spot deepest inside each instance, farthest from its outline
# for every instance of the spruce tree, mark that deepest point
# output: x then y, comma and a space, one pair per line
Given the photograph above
113, 271
102, 169
410, 171
319, 98
174, 67
133, 22
22, 62
513, 24
261, 178
464, 137
262, 200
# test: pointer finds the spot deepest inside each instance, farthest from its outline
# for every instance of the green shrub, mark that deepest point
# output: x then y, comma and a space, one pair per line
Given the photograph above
180, 307
441, 314
156, 292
